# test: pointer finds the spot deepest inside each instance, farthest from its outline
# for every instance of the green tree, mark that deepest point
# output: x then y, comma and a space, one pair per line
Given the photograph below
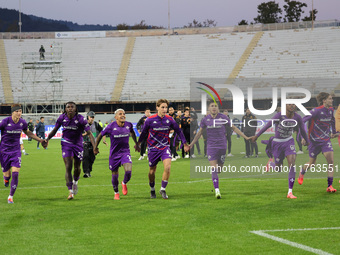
122, 26
209, 23
312, 16
243, 22
206, 23
140, 25
269, 12
293, 10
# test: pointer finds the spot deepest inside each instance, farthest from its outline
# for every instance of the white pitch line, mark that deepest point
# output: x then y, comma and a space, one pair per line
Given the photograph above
299, 229
293, 244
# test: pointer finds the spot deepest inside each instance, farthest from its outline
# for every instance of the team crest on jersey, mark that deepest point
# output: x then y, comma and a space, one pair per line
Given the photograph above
167, 121
208, 119
9, 124
127, 127
321, 112
63, 153
76, 121
114, 128
64, 120
21, 124
154, 122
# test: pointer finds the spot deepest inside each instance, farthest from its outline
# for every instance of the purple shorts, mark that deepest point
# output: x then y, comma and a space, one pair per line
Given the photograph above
157, 155
72, 150
10, 160
315, 148
282, 149
115, 163
216, 154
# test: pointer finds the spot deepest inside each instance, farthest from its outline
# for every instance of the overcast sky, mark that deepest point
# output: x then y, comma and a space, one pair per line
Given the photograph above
155, 12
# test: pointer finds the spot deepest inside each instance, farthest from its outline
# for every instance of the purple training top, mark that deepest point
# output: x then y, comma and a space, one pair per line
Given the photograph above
216, 137
119, 137
10, 134
72, 128
158, 129
320, 124
284, 127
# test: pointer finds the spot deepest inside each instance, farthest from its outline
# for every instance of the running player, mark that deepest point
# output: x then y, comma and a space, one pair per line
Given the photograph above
158, 127
10, 153
321, 121
73, 125
119, 132
214, 123
282, 144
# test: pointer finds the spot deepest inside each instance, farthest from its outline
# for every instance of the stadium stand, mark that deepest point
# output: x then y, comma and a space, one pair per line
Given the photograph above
90, 66
161, 66
5, 83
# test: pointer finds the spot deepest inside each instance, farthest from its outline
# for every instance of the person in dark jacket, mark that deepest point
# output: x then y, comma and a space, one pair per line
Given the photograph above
249, 124
89, 157
228, 133
140, 125
40, 130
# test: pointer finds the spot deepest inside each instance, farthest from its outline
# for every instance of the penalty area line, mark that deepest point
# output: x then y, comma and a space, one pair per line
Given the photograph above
290, 243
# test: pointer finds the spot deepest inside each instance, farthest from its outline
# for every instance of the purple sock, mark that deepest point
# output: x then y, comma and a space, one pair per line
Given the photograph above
291, 177
214, 177
330, 181
164, 183
152, 184
75, 178
115, 182
127, 177
14, 183
302, 171
69, 185
7, 178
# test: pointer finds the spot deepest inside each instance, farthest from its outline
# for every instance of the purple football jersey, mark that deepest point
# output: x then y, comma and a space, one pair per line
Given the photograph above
10, 134
72, 128
284, 127
216, 130
321, 123
158, 129
119, 137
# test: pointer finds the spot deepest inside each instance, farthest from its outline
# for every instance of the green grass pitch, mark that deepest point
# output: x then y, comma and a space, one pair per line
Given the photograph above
191, 221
